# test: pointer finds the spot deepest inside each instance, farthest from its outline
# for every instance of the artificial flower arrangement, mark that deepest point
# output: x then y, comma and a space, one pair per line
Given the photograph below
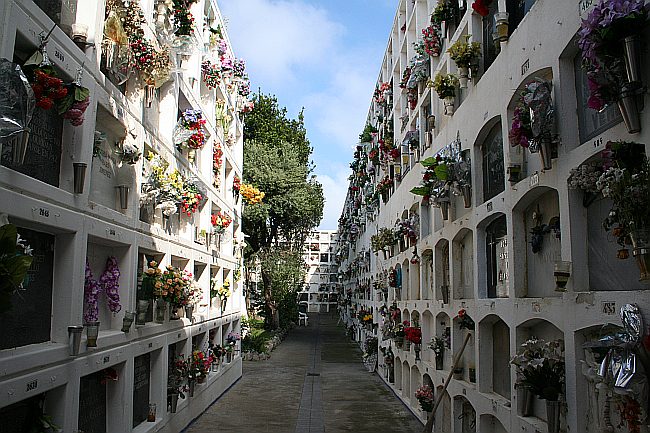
437, 345
211, 74
183, 19
585, 178
217, 163
601, 40
194, 293
108, 283
199, 365
540, 367
626, 181
373, 156
162, 187
437, 178
151, 281
239, 68
464, 320
251, 194
481, 7
191, 198
236, 184
465, 53
367, 134
384, 238
178, 372
445, 85
15, 260
445, 10
174, 285
189, 131
431, 42
222, 292
406, 75
413, 334
220, 221
424, 394
365, 317
534, 102
384, 186
128, 152
408, 228
244, 88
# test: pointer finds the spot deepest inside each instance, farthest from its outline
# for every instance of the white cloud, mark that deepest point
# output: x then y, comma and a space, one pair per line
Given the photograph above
276, 36
335, 188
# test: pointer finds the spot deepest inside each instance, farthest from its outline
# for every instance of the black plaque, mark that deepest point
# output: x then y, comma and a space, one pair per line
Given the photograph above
92, 404
141, 377
21, 417
29, 320
43, 157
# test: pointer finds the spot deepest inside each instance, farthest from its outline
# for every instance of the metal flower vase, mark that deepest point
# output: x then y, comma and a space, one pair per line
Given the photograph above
19, 147
92, 332
124, 196
191, 383
417, 348
444, 209
141, 317
149, 91
161, 308
467, 195
641, 252
439, 361
463, 76
189, 311
545, 152
632, 59
127, 321
526, 402
553, 416
79, 176
627, 104
74, 339
449, 105
173, 312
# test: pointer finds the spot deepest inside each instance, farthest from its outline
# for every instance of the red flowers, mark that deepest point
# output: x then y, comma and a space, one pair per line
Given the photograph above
47, 88
413, 334
481, 7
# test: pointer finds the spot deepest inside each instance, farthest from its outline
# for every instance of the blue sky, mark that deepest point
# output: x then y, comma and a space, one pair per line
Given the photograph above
321, 55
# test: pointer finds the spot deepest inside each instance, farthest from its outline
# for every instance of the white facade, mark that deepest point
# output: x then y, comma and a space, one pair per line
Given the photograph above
321, 279
94, 225
515, 299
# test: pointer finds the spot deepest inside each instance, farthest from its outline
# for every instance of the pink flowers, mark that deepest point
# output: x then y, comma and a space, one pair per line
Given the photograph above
109, 283
91, 297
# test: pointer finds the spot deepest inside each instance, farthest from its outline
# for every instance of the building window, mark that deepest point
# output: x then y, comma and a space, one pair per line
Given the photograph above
517, 9
489, 49
497, 258
591, 122
492, 153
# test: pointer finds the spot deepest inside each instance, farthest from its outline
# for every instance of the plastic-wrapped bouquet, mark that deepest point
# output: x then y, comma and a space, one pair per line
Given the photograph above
540, 367
220, 221
189, 130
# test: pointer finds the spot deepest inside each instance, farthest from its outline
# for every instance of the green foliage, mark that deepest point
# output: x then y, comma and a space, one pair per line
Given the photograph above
14, 264
366, 135
256, 340
465, 53
445, 85
277, 161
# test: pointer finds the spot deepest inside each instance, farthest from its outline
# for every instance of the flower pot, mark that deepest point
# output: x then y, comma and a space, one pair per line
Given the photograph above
173, 312
92, 332
631, 57
79, 176
627, 104
74, 339
189, 311
439, 361
191, 384
151, 415
501, 25
561, 272
124, 196
463, 76
545, 153
161, 307
173, 402
526, 402
19, 146
449, 105
202, 379
553, 416
444, 209
127, 321
641, 252
417, 349
149, 91
143, 307
467, 195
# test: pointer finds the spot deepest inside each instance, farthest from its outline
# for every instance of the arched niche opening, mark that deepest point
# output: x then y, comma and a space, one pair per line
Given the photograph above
544, 330
443, 414
467, 364
443, 331
464, 415
406, 315
463, 264
489, 166
416, 382
414, 277
398, 373
403, 240
427, 335
517, 155
406, 380
406, 280
441, 262
536, 228
493, 237
398, 287
415, 318
425, 220
491, 424
426, 266
494, 356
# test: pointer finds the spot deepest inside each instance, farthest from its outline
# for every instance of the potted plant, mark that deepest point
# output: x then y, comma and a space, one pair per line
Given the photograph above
445, 11
609, 40
465, 54
540, 368
424, 394
445, 86
176, 388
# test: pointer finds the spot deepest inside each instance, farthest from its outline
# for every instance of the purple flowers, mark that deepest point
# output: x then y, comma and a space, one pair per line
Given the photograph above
91, 296
110, 280
520, 129
239, 67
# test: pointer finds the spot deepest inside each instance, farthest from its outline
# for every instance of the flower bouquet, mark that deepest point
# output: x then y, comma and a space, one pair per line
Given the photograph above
481, 7
445, 86
236, 184
15, 261
191, 198
540, 367
199, 365
445, 10
189, 131
220, 221
424, 394
178, 372
211, 74
173, 287
464, 320
585, 178
431, 40
251, 194
193, 293
466, 55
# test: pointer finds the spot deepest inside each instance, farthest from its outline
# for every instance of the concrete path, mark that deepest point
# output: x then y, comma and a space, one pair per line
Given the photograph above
313, 383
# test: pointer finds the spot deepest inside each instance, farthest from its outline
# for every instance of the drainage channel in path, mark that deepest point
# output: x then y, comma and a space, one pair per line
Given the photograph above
310, 414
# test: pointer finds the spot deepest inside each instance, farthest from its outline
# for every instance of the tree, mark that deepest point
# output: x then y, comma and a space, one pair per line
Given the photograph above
276, 160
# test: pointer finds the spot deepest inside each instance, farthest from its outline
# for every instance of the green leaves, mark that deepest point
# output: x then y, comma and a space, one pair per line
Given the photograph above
420, 190
13, 265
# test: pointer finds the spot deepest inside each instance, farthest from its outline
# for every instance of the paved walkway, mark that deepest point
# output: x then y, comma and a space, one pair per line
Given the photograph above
313, 383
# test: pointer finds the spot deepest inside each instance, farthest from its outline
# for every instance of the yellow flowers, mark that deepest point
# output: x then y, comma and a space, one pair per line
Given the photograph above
251, 194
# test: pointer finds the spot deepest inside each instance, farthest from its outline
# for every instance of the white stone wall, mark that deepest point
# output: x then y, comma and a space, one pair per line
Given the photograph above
526, 304
319, 283
93, 225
